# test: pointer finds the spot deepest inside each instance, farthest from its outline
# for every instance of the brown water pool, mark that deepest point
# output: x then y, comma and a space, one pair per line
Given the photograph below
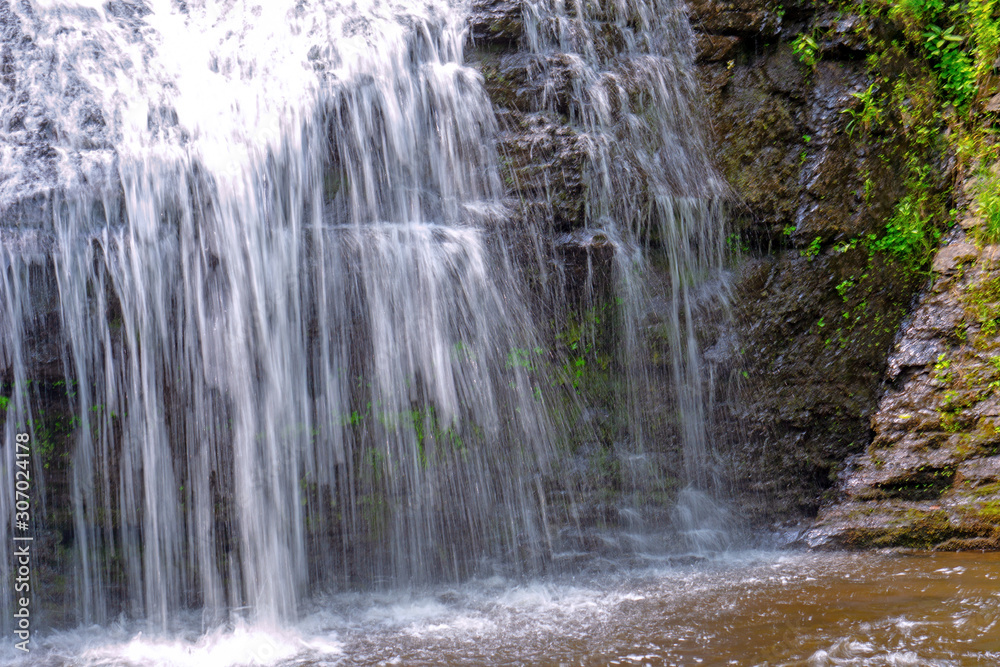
749, 609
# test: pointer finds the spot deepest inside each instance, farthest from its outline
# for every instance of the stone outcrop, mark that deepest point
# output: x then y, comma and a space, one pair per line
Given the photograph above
931, 475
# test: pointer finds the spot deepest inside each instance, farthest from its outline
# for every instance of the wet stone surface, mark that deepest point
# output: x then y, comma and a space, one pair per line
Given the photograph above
931, 475
807, 359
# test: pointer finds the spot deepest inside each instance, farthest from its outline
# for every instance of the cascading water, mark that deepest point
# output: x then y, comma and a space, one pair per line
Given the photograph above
262, 244
288, 319
649, 182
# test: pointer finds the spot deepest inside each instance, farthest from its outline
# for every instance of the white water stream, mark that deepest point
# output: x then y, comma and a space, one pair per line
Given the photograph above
651, 188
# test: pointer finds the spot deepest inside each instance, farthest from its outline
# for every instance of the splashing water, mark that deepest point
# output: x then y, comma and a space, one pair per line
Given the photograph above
747, 609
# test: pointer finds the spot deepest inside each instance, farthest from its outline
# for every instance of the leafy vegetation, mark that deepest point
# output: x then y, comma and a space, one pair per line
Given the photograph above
868, 114
911, 232
813, 248
930, 72
987, 191
954, 66
807, 49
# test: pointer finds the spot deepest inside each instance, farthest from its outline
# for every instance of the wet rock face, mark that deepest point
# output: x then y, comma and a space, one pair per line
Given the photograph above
750, 19
817, 312
815, 359
816, 315
782, 143
54, 430
497, 23
542, 154
931, 475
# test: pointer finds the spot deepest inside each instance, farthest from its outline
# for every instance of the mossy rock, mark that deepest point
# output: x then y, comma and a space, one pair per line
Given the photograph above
922, 529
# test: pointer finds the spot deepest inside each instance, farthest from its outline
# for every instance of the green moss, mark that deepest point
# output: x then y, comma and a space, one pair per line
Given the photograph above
929, 60
914, 528
983, 440
982, 302
990, 511
986, 490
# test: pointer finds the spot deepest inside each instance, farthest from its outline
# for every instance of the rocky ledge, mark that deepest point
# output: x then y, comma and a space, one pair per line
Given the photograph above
931, 476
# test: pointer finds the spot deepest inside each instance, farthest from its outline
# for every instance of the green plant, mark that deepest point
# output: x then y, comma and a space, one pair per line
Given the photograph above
586, 352
869, 189
736, 243
918, 9
941, 367
869, 111
519, 358
807, 50
982, 299
813, 248
987, 193
985, 33
939, 41
844, 286
911, 234
953, 64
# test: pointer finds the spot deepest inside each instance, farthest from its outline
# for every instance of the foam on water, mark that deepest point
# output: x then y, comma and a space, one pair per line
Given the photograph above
221, 648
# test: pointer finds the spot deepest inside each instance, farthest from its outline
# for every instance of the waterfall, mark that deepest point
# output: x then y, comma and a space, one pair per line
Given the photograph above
262, 246
283, 305
651, 189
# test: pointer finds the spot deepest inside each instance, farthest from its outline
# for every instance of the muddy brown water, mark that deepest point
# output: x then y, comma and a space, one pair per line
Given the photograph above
747, 609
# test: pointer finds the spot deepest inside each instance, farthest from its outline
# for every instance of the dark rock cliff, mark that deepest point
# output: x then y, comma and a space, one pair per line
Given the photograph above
817, 314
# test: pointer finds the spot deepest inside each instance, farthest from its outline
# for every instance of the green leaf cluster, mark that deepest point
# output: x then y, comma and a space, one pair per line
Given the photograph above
953, 64
807, 49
